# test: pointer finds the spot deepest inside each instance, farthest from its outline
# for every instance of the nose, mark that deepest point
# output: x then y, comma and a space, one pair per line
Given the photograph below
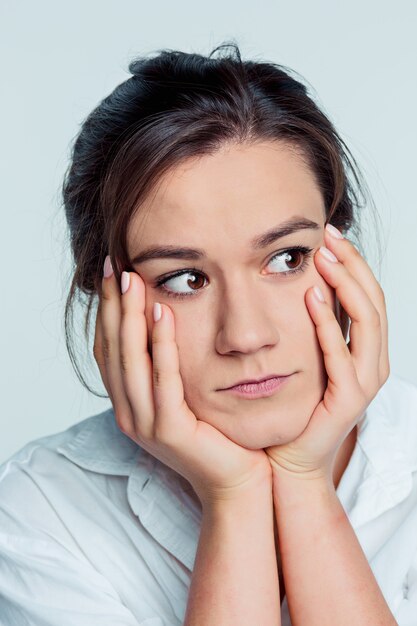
245, 321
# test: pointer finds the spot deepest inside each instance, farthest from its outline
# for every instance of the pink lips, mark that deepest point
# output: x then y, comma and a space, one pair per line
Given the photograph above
259, 390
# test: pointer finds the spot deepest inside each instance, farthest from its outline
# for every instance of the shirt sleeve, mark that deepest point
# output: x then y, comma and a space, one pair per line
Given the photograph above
43, 584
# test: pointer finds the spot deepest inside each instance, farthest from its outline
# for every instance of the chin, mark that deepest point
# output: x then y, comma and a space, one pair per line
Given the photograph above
265, 435
255, 431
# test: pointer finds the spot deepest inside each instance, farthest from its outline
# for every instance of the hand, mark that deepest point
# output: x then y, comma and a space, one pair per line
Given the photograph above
148, 398
355, 371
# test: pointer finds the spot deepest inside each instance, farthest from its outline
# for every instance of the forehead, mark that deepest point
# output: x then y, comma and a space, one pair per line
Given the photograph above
236, 192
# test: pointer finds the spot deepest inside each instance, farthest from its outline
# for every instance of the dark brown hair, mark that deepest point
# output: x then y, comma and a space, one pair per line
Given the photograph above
174, 106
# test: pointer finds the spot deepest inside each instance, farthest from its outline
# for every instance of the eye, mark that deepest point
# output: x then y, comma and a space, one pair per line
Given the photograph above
196, 283
290, 256
178, 281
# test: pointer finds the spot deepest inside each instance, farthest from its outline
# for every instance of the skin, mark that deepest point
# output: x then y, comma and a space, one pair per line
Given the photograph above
234, 328
250, 320
237, 329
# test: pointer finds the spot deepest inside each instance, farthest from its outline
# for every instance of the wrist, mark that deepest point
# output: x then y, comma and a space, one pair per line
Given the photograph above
317, 476
244, 500
306, 490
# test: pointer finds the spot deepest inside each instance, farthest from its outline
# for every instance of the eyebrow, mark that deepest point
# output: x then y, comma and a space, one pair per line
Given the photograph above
288, 227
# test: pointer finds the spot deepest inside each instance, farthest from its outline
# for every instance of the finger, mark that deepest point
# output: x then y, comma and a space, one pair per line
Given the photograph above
360, 270
135, 361
343, 388
365, 329
170, 404
98, 351
110, 319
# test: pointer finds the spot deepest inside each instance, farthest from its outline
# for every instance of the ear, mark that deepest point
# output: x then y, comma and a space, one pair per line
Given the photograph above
342, 318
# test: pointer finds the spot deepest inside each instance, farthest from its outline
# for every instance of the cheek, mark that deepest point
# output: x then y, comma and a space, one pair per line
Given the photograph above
302, 334
193, 348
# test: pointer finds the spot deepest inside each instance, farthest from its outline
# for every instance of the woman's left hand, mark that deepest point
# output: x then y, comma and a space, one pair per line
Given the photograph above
356, 371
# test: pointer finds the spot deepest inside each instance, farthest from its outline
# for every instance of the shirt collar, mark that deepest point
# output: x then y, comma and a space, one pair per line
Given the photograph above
97, 444
163, 500
378, 476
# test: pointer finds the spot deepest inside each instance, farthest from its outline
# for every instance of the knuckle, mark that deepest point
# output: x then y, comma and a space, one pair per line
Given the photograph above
156, 340
125, 308
106, 347
386, 373
161, 433
157, 432
161, 378
360, 405
382, 297
357, 400
97, 352
158, 378
342, 349
105, 293
374, 318
124, 363
344, 352
123, 421
354, 250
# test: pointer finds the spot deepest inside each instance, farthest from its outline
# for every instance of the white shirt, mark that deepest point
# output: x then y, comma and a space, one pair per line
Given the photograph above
96, 531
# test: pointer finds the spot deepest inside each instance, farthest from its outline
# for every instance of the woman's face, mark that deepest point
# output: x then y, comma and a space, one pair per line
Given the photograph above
243, 318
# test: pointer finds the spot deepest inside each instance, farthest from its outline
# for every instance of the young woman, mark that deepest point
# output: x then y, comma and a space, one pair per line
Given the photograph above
256, 467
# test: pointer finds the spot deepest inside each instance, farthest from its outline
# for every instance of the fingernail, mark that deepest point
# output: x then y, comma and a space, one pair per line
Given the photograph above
107, 269
157, 311
318, 294
328, 254
125, 282
334, 232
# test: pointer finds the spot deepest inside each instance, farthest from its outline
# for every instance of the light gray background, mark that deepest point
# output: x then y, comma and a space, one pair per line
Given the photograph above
58, 59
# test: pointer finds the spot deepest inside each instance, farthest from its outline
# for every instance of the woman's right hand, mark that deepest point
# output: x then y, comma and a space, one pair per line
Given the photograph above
147, 395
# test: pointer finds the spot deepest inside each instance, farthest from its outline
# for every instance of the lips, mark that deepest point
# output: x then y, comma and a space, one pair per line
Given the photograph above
264, 389
255, 381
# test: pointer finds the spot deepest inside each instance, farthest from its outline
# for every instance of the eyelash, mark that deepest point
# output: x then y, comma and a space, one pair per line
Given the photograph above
306, 252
